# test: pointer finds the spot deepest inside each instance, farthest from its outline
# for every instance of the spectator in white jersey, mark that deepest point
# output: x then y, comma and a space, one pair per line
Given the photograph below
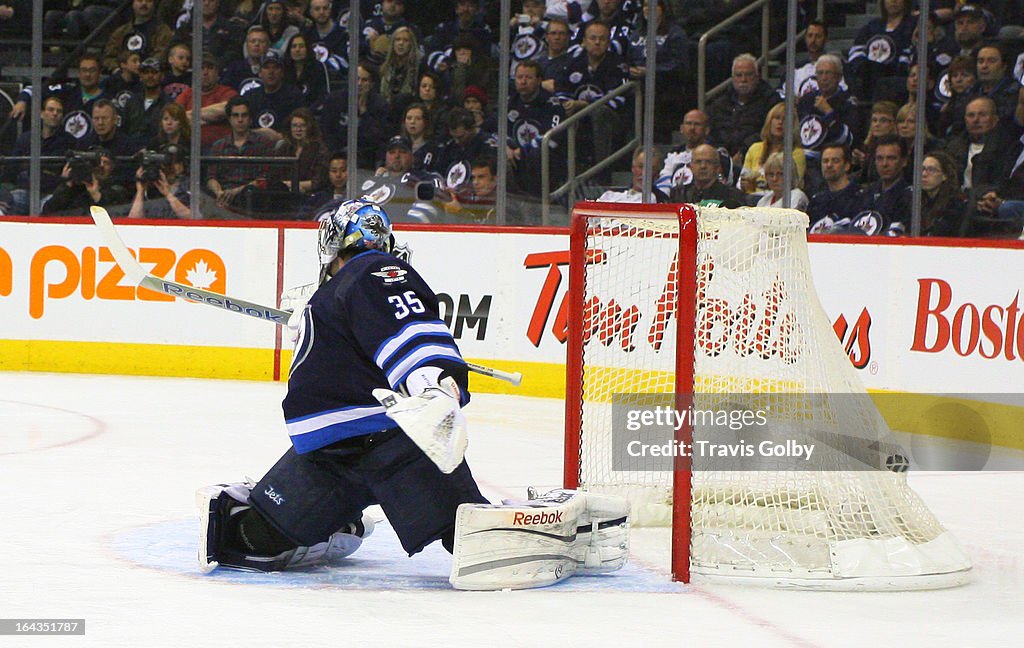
774, 173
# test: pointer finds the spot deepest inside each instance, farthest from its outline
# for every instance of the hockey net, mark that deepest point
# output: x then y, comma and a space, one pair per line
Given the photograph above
714, 310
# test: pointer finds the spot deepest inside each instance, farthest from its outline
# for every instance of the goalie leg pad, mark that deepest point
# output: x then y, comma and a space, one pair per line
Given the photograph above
539, 542
222, 508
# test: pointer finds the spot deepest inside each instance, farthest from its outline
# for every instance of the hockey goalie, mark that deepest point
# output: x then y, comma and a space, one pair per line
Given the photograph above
373, 410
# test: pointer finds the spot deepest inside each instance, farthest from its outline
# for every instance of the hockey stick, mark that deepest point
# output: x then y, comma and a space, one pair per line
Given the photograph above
138, 275
135, 273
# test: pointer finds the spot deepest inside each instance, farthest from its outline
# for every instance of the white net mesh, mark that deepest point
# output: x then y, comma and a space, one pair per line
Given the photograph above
761, 342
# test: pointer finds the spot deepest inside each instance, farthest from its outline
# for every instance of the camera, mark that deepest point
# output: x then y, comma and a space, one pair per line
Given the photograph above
425, 191
151, 163
81, 165
523, 19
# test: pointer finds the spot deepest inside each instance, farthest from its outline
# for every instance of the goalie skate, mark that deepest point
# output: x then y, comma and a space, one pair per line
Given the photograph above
219, 505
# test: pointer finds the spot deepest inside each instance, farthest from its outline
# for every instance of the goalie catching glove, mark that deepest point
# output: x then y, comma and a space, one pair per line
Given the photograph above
295, 300
430, 415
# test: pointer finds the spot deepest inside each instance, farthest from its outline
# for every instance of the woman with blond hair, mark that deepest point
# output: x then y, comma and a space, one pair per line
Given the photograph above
773, 172
906, 128
401, 68
752, 179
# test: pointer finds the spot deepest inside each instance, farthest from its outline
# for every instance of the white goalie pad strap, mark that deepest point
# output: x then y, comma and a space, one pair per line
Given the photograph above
539, 542
603, 534
433, 421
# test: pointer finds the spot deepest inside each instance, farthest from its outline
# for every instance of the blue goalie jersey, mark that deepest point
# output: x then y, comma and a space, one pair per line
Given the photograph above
370, 326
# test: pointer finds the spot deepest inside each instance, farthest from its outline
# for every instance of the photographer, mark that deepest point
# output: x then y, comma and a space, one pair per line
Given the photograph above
161, 185
88, 180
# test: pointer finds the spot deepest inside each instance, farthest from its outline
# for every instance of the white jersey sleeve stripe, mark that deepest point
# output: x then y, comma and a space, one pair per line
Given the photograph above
394, 343
418, 357
324, 419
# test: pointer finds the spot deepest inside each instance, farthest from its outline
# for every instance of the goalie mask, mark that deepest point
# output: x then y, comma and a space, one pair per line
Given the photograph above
353, 225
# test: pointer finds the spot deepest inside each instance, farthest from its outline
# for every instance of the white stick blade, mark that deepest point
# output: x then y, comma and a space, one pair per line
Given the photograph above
131, 268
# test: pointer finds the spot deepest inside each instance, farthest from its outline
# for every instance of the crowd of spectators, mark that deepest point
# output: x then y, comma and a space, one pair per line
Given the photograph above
274, 85
855, 127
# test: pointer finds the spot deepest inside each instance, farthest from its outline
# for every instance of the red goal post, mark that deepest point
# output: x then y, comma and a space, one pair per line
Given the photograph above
685, 219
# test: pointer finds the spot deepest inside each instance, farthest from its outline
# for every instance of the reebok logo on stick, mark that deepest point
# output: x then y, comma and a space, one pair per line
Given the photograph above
221, 302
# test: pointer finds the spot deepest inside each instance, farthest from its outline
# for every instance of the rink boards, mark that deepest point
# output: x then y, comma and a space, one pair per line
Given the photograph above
914, 317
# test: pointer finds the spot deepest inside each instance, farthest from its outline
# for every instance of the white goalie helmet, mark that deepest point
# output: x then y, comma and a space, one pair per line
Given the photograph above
352, 224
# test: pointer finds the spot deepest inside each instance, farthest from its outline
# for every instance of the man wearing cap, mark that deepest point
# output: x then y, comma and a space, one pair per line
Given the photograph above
466, 142
143, 108
274, 99
398, 165
397, 159
969, 28
214, 99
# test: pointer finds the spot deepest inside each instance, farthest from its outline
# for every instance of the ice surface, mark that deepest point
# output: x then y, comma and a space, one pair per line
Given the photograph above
97, 475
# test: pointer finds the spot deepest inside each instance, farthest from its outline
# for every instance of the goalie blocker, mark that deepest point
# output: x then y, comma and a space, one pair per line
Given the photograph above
539, 542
